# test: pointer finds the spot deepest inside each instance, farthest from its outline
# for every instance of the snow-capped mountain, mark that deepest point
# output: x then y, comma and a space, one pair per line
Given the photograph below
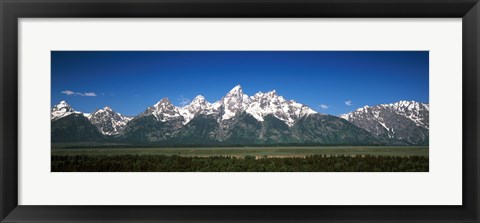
241, 119
108, 121
406, 121
415, 111
262, 104
62, 109
198, 106
232, 104
68, 125
163, 111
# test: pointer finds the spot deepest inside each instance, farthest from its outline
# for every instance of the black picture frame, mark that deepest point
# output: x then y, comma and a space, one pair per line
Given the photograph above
12, 10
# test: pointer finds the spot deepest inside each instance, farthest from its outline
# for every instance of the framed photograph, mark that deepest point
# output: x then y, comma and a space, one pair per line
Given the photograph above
228, 111
265, 132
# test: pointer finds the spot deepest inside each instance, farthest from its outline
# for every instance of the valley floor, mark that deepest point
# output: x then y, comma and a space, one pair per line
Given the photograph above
240, 152
243, 159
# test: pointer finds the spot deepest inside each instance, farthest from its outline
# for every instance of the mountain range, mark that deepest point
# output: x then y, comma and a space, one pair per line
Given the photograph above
239, 119
403, 122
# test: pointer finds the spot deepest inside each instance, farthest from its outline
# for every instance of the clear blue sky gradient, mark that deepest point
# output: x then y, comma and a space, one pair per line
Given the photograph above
130, 81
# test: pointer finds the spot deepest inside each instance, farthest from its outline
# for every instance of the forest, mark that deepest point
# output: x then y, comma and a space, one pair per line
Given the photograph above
174, 163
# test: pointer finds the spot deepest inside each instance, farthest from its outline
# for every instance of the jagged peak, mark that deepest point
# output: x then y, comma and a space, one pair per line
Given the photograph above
199, 98
406, 101
258, 94
108, 121
163, 101
272, 93
237, 90
387, 119
404, 104
107, 110
401, 105
62, 104
199, 101
61, 110
238, 87
363, 108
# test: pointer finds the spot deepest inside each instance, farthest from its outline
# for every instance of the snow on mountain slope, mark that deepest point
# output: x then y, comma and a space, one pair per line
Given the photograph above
415, 111
232, 104
163, 111
108, 121
262, 104
198, 106
62, 109
236, 102
402, 120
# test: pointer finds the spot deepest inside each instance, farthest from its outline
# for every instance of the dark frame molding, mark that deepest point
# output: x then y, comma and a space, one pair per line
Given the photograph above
11, 10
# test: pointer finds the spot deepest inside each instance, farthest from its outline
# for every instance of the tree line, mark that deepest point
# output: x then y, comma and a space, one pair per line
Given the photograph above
163, 163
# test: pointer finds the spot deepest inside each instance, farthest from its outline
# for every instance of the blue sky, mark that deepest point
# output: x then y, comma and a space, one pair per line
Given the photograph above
331, 82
